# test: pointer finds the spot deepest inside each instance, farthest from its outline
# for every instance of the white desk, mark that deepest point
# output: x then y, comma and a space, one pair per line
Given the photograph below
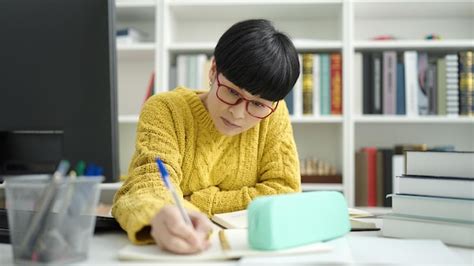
104, 249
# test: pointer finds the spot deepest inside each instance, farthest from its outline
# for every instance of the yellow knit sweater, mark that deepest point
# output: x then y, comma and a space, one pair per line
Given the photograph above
218, 172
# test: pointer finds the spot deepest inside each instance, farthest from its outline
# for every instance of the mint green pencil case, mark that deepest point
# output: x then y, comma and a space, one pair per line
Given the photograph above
290, 220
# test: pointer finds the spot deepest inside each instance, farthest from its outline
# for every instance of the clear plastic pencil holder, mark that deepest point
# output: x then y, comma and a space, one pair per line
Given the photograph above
51, 223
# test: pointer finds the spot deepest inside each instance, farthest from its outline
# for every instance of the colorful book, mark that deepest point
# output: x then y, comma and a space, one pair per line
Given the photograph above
466, 83
336, 84
316, 85
422, 83
307, 84
368, 90
410, 59
441, 85
389, 82
401, 89
298, 91
377, 104
325, 85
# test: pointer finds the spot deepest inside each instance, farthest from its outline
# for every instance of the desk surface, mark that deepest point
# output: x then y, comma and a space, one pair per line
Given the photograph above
104, 249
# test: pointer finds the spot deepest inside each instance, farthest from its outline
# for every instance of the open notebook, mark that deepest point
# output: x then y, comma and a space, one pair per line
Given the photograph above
225, 244
238, 220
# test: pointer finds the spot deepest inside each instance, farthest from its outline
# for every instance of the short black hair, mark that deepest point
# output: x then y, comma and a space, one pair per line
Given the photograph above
253, 55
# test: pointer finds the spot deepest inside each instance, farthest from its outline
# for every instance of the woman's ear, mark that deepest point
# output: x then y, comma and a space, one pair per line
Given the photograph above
212, 70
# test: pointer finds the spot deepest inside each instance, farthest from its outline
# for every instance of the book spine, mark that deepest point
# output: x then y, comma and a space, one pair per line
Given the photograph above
431, 89
371, 176
368, 90
308, 84
452, 85
411, 82
422, 84
377, 104
289, 102
336, 84
441, 82
325, 85
316, 85
466, 83
298, 92
389, 82
358, 83
401, 89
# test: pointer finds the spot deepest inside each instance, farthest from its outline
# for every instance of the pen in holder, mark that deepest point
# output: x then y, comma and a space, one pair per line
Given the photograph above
39, 217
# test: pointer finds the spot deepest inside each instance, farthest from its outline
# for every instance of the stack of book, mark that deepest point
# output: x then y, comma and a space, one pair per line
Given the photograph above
435, 198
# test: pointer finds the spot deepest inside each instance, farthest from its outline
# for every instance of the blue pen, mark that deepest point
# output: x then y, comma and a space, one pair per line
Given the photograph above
166, 179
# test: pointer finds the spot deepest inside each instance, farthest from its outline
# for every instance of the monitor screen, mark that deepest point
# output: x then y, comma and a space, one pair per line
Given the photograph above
58, 85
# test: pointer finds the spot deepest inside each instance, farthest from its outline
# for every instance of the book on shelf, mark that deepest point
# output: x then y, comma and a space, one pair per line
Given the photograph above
298, 91
130, 35
307, 84
366, 177
150, 87
422, 94
441, 86
440, 163
450, 232
358, 84
336, 84
466, 83
434, 207
316, 85
377, 103
438, 186
225, 245
325, 101
400, 87
389, 82
452, 85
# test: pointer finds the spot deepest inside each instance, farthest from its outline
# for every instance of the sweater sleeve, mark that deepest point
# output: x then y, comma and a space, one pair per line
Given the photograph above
143, 193
278, 172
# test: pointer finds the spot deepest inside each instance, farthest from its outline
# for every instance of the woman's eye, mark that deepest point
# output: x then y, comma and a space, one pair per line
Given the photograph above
258, 104
234, 92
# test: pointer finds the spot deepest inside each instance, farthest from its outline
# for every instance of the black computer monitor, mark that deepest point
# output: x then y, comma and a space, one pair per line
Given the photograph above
57, 85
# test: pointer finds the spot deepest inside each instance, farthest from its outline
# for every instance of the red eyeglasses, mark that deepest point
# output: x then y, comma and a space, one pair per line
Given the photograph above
231, 96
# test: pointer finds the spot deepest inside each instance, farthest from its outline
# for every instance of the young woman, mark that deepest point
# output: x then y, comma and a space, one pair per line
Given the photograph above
222, 148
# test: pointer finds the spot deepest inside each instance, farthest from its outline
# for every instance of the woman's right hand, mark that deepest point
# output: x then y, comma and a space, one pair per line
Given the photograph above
171, 233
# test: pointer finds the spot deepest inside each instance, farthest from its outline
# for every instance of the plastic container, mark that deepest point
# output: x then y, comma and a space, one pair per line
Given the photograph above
61, 233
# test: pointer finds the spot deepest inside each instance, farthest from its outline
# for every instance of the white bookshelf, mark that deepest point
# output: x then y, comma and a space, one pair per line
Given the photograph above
345, 26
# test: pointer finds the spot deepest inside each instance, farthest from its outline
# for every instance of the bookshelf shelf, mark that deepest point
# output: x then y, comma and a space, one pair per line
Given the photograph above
128, 119
134, 3
317, 119
208, 47
386, 119
191, 47
150, 47
415, 44
312, 187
